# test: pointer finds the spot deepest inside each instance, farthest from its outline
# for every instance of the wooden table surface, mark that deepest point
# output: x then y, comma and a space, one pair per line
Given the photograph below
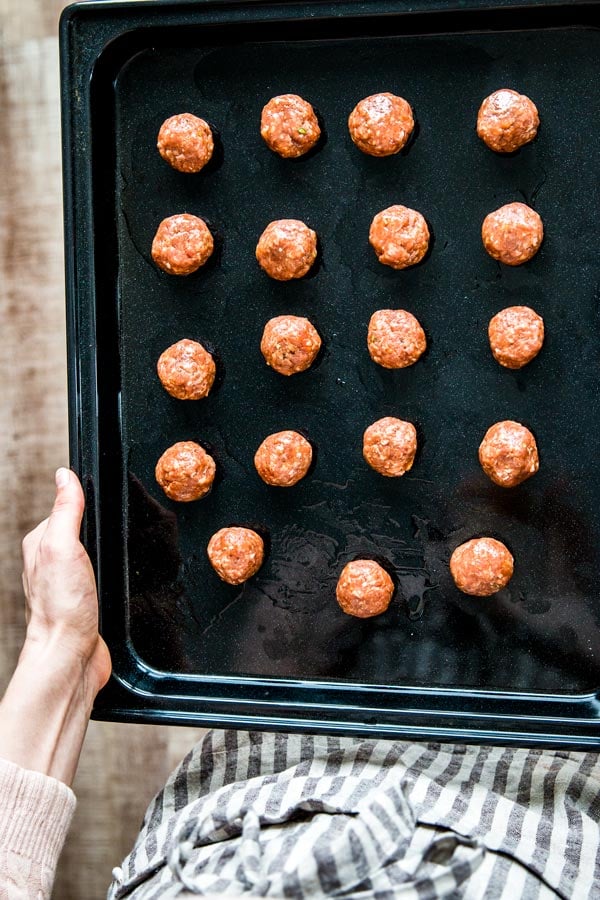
122, 765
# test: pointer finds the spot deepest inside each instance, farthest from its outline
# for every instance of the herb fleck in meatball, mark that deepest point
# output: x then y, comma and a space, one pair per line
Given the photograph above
185, 472
508, 454
182, 244
364, 589
185, 142
395, 338
186, 370
289, 126
390, 445
507, 120
399, 237
516, 336
290, 344
283, 458
287, 249
380, 125
481, 567
512, 234
236, 554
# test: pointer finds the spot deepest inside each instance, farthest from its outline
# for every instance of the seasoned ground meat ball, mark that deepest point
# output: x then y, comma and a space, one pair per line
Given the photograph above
390, 445
290, 344
481, 567
236, 554
185, 142
185, 472
395, 338
512, 234
182, 244
516, 336
283, 458
289, 126
381, 124
287, 249
399, 237
507, 120
364, 589
508, 454
186, 370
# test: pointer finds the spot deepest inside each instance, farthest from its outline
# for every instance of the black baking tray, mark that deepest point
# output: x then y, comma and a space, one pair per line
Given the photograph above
522, 667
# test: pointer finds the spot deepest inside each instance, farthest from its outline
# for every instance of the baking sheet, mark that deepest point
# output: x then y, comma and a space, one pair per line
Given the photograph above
541, 633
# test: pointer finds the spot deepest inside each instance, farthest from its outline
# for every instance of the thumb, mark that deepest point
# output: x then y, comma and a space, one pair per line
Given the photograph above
65, 518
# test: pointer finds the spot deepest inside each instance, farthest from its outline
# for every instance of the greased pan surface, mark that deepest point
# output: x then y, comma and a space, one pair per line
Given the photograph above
539, 635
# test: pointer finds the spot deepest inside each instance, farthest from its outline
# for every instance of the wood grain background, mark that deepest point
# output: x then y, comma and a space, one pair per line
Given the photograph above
122, 765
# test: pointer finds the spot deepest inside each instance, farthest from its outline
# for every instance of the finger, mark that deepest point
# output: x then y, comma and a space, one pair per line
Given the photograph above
65, 519
27, 606
25, 581
31, 542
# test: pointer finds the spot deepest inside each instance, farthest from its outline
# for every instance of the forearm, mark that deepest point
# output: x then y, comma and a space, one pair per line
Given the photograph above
45, 711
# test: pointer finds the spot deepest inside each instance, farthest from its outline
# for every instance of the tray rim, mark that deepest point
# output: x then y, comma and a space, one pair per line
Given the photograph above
136, 691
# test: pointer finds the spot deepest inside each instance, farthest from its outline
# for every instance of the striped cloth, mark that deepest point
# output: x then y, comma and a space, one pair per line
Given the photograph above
297, 816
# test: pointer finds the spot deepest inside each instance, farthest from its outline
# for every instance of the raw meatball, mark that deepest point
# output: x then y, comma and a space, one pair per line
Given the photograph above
182, 244
185, 142
283, 458
290, 344
289, 126
507, 120
186, 370
512, 234
399, 237
508, 454
236, 554
516, 336
390, 445
185, 472
381, 124
364, 589
481, 567
287, 249
395, 338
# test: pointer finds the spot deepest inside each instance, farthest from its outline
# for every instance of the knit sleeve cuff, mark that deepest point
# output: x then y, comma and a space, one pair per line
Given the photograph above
35, 814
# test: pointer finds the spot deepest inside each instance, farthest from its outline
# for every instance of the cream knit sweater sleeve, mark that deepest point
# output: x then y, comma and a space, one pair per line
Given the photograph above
35, 814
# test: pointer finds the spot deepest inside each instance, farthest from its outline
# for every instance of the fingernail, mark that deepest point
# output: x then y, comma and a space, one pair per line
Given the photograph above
61, 477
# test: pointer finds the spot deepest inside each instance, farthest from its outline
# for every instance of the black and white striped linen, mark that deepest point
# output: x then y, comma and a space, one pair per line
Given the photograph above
299, 816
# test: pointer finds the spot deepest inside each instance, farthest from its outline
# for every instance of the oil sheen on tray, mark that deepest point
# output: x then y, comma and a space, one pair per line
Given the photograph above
541, 633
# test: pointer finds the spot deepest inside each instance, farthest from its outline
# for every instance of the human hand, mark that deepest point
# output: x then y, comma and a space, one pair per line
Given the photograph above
64, 662
60, 588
